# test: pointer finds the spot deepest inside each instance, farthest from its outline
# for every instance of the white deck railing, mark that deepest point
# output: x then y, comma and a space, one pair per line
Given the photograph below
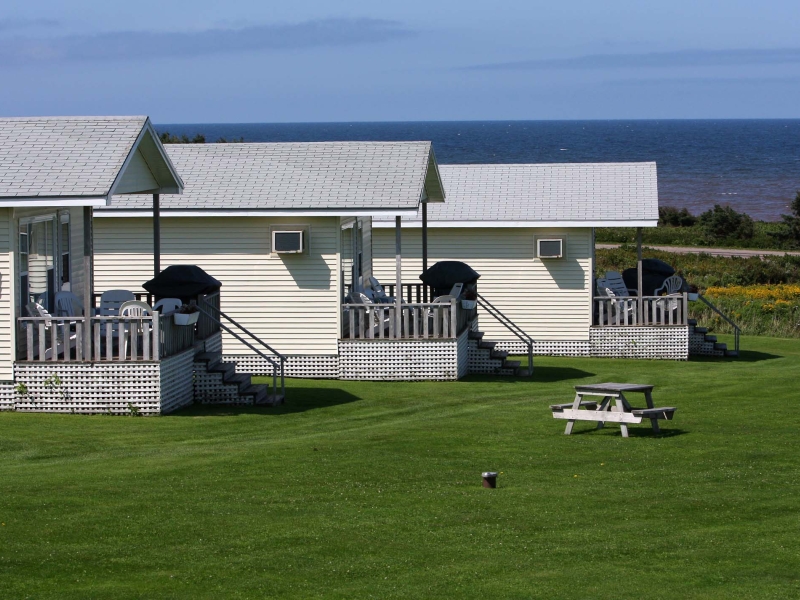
423, 321
112, 338
649, 311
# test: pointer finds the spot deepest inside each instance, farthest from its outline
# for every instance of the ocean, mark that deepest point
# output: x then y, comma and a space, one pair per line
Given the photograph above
751, 165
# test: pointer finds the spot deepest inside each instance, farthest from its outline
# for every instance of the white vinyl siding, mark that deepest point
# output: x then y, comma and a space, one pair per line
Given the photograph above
548, 299
290, 301
7, 294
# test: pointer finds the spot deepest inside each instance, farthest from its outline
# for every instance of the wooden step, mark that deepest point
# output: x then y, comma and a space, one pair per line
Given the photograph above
522, 372
701, 329
475, 335
225, 368
498, 354
732, 353
208, 357
511, 364
692, 321
487, 345
721, 346
711, 338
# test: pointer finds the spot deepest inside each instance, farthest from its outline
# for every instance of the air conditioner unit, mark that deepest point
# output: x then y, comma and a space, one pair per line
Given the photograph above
287, 242
550, 248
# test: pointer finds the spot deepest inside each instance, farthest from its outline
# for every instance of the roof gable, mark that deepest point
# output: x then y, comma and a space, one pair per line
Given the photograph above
80, 158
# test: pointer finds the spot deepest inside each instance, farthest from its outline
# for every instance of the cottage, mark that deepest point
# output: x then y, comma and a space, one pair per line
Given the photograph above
53, 172
528, 229
239, 201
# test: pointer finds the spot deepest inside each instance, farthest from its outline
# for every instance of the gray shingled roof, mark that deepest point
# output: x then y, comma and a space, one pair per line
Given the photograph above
293, 176
590, 192
50, 157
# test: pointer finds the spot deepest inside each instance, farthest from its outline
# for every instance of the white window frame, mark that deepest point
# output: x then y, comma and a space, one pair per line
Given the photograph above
550, 238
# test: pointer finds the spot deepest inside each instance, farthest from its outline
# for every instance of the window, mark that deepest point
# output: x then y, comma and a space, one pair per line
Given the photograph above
64, 242
43, 259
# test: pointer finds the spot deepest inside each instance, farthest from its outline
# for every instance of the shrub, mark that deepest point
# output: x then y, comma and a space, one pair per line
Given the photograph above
723, 222
669, 216
789, 233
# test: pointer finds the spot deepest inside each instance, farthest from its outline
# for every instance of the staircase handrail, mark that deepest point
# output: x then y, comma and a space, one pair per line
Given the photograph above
736, 329
511, 326
275, 365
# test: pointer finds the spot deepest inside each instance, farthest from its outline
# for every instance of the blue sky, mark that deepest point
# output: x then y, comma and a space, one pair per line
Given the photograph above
308, 60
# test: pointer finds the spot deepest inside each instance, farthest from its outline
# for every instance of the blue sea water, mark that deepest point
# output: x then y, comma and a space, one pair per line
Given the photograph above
752, 165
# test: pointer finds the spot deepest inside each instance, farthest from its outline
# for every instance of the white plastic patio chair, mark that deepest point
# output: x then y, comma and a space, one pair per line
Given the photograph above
456, 290
671, 287
622, 306
133, 308
167, 306
614, 281
112, 300
378, 293
68, 305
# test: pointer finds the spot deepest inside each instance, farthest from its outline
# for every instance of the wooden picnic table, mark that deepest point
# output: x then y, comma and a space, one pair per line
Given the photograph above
604, 411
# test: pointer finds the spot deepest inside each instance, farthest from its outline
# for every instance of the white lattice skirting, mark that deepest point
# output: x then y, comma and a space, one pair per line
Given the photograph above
7, 395
117, 388
670, 343
177, 381
402, 360
310, 366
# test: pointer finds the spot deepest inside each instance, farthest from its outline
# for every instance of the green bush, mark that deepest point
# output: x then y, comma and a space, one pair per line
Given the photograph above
669, 216
722, 222
704, 270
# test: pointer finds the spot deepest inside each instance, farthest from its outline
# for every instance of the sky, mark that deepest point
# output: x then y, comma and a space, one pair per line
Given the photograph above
204, 61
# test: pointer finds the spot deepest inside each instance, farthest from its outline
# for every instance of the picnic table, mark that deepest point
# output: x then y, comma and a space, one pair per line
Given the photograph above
604, 411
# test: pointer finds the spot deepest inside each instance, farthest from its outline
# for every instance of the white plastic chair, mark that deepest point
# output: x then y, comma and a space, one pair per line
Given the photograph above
167, 306
456, 290
614, 281
111, 302
68, 305
133, 308
378, 293
671, 285
624, 306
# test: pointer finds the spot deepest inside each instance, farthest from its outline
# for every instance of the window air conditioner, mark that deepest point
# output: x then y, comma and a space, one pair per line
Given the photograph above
287, 242
550, 248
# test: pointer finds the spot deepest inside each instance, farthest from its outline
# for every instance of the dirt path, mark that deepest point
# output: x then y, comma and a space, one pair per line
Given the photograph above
712, 251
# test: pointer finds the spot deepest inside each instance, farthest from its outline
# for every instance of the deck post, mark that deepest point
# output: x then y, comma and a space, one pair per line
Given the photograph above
88, 281
398, 295
639, 301
424, 247
156, 235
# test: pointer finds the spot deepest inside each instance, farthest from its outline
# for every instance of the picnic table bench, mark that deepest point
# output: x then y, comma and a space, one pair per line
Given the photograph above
619, 412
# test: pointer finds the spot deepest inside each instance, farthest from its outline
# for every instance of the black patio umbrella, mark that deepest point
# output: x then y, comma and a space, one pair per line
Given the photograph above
185, 282
654, 272
445, 274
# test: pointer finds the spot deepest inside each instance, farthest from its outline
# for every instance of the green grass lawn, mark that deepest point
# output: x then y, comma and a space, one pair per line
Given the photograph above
372, 490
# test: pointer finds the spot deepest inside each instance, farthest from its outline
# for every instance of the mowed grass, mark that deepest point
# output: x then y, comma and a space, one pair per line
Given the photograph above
372, 490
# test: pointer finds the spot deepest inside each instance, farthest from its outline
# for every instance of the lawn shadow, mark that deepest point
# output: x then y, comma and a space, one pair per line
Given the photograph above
634, 432
540, 375
745, 356
298, 400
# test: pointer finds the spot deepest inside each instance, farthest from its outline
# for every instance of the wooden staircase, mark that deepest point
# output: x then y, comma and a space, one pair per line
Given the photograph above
482, 358
217, 382
701, 343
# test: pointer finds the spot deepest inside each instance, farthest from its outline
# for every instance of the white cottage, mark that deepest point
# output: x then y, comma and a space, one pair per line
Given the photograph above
239, 200
528, 229
54, 171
